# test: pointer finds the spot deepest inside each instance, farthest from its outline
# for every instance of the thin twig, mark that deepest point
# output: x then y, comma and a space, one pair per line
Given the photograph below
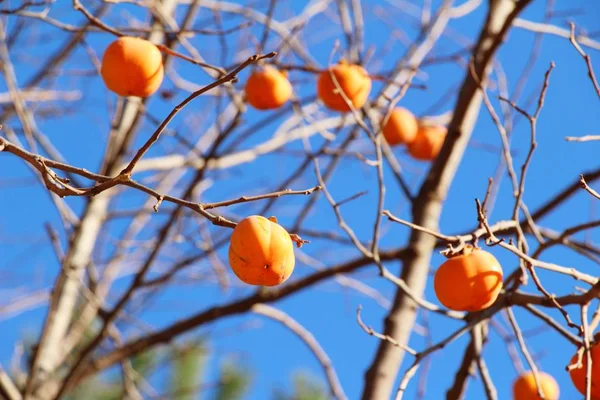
307, 337
245, 199
587, 138
587, 351
227, 78
525, 351
479, 336
584, 185
372, 332
586, 57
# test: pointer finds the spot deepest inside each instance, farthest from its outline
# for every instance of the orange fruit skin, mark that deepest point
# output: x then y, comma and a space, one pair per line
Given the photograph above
352, 79
268, 89
468, 282
261, 252
132, 67
578, 375
524, 388
401, 127
428, 142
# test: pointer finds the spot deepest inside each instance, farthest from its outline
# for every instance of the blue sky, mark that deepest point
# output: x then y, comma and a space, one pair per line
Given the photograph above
328, 310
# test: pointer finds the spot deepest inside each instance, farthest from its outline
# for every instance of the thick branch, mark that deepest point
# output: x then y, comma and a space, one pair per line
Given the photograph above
380, 377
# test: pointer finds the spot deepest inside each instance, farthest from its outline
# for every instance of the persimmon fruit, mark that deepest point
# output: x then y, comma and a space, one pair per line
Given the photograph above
469, 281
525, 388
353, 80
578, 374
132, 67
261, 251
268, 88
428, 142
401, 127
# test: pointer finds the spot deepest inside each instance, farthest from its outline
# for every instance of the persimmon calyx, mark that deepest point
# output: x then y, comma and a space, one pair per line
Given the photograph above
298, 240
462, 249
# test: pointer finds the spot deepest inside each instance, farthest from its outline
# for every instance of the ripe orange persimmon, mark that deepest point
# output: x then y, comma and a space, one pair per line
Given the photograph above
267, 89
132, 67
470, 281
428, 142
401, 127
578, 374
525, 388
353, 80
261, 251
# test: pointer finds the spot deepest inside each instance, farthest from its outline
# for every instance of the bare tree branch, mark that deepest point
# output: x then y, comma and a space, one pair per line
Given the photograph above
311, 342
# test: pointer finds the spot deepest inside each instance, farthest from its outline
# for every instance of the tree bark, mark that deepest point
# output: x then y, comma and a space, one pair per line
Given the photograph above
82, 242
381, 375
